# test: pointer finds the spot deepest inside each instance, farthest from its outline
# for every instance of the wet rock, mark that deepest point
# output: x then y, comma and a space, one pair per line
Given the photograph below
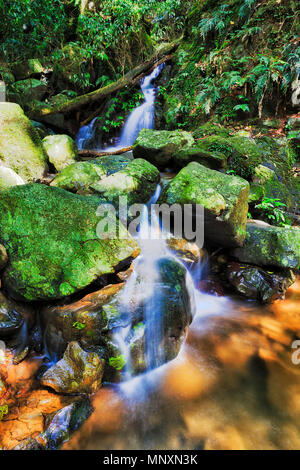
158, 147
266, 245
3, 258
78, 372
27, 68
79, 177
9, 178
20, 145
42, 130
224, 197
52, 242
257, 284
10, 319
84, 321
188, 252
137, 182
61, 150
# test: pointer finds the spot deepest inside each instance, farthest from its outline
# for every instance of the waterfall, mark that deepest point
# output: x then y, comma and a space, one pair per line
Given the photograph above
140, 118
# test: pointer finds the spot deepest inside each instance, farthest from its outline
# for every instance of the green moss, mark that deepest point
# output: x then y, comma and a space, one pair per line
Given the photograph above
79, 177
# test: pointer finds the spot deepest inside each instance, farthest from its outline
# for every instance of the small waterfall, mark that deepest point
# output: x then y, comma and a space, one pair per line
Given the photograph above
140, 118
143, 116
86, 135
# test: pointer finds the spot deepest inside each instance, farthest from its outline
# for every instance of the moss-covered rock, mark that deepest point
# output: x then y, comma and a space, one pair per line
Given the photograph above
159, 147
79, 177
211, 128
113, 163
61, 150
196, 153
27, 68
224, 197
9, 178
137, 182
78, 372
52, 244
20, 145
266, 245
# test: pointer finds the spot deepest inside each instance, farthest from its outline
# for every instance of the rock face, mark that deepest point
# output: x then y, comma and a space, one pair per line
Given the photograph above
77, 372
137, 182
61, 150
79, 177
266, 245
9, 178
257, 284
224, 197
159, 147
20, 145
52, 244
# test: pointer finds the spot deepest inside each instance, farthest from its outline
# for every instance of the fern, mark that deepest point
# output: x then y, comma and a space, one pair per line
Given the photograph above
247, 8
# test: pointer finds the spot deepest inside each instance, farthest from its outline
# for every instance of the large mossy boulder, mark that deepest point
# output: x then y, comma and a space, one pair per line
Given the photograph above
27, 68
61, 150
159, 147
266, 245
113, 163
79, 177
20, 145
196, 153
137, 181
224, 198
51, 239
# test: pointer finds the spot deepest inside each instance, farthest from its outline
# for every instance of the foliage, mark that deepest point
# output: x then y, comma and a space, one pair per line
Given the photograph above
118, 362
272, 209
79, 326
3, 411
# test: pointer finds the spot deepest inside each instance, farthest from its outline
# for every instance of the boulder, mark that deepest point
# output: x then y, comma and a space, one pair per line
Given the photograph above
61, 150
267, 245
224, 197
10, 319
159, 147
9, 178
79, 177
20, 145
257, 284
113, 163
196, 153
137, 182
78, 372
52, 242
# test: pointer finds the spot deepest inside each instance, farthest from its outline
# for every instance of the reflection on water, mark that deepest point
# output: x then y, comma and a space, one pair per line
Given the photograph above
233, 386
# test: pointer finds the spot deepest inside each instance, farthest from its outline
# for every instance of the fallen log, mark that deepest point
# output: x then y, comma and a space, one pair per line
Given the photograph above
93, 153
101, 93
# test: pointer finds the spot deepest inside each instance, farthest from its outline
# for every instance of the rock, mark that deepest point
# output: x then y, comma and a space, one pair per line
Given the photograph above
20, 145
27, 68
211, 128
113, 163
42, 130
53, 243
137, 182
3, 257
188, 252
293, 124
61, 150
9, 178
266, 245
257, 284
196, 153
10, 319
224, 197
84, 321
211, 287
78, 372
262, 174
79, 177
158, 147
25, 91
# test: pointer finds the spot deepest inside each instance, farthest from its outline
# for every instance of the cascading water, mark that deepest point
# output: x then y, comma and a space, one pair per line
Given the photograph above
140, 118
